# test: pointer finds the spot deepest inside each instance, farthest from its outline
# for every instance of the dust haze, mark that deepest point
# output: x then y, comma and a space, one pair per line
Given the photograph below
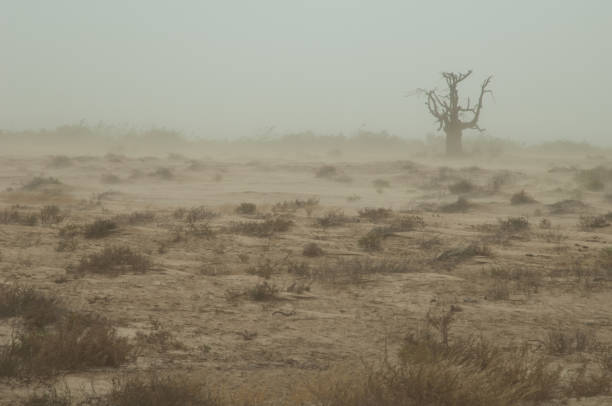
333, 203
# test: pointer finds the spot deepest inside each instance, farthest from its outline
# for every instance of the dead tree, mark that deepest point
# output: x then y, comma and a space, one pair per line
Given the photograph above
450, 114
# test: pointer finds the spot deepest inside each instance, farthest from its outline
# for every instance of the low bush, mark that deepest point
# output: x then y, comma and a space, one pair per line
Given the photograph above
460, 205
375, 215
462, 187
334, 218
264, 228
590, 222
312, 250
246, 208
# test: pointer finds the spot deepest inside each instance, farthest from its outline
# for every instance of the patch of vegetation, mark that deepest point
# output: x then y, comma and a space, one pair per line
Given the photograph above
312, 249
292, 205
406, 223
372, 241
264, 228
522, 198
327, 172
100, 228
264, 269
263, 291
246, 208
113, 260
563, 342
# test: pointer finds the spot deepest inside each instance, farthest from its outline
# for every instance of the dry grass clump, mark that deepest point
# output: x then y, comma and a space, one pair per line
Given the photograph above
461, 205
15, 216
590, 222
375, 215
312, 249
113, 260
406, 223
330, 172
100, 228
264, 228
463, 186
522, 198
75, 341
36, 309
246, 208
334, 218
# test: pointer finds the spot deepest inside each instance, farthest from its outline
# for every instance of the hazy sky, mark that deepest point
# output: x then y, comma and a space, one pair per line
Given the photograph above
234, 68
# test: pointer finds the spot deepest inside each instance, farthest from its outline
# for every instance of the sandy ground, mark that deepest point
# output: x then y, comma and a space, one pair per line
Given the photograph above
242, 344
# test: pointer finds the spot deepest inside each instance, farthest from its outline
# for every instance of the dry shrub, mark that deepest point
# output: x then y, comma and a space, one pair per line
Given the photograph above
246, 208
582, 384
500, 290
333, 218
460, 205
406, 223
100, 228
113, 260
522, 198
327, 172
312, 249
264, 269
50, 397
60, 161
375, 215
381, 184
264, 228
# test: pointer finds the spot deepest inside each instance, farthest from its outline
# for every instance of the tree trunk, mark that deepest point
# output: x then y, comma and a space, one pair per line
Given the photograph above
453, 142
